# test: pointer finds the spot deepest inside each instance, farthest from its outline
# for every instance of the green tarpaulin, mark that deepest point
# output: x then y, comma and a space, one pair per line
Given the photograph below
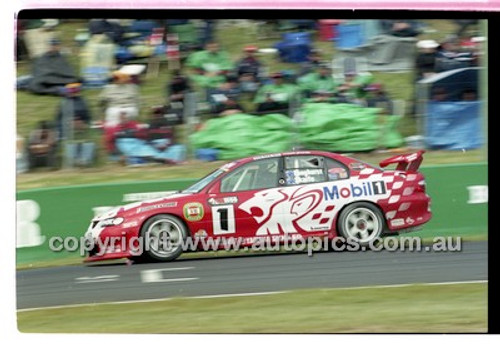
242, 135
327, 127
346, 128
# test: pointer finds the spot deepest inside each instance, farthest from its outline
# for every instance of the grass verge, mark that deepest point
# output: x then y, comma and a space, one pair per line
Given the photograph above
414, 308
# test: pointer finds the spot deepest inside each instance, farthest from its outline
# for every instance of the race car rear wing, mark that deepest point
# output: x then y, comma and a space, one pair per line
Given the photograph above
406, 162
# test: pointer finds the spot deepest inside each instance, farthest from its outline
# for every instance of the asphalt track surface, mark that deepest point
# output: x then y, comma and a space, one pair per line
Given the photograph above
97, 283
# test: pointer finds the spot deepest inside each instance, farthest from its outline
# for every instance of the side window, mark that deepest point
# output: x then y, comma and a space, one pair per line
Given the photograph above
251, 176
336, 170
304, 170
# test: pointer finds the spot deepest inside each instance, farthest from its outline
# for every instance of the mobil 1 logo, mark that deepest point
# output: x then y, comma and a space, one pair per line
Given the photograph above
367, 188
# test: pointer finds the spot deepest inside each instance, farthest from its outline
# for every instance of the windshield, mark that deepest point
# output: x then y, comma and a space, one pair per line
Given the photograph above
199, 185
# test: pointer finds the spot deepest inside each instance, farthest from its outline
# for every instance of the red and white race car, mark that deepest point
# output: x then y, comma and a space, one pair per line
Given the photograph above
299, 194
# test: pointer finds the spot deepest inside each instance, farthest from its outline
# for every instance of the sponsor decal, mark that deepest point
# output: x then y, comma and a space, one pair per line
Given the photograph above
302, 176
267, 156
363, 189
398, 222
159, 205
357, 166
130, 224
201, 233
320, 228
143, 196
193, 211
223, 200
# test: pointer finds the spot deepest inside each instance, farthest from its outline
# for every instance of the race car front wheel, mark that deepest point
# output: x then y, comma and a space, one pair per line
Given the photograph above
361, 222
163, 236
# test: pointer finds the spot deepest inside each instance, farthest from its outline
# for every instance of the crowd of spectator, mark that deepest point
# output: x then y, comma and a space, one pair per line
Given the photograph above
228, 86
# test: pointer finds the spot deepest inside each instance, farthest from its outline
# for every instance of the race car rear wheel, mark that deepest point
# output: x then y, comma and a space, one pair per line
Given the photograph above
163, 236
361, 222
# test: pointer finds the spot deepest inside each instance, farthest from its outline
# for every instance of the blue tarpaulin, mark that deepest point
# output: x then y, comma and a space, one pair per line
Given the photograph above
454, 125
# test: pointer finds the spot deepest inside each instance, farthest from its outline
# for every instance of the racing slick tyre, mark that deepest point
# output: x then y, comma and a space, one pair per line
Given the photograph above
163, 236
361, 222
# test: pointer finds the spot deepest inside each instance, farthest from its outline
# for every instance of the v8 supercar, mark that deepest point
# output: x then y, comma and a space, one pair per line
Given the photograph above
300, 194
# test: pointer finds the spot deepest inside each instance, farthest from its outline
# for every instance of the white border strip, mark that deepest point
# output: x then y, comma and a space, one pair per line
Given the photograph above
246, 295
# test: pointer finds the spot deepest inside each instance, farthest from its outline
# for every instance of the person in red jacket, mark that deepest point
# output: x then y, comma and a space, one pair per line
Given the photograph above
125, 128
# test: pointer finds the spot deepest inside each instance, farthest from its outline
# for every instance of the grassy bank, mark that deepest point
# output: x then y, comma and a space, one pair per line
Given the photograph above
415, 308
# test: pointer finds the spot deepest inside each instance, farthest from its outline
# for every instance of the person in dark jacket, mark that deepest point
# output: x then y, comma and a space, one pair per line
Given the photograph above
73, 120
249, 69
51, 71
178, 87
425, 62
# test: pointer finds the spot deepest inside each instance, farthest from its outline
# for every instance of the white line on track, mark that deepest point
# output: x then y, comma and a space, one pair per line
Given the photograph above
156, 275
246, 295
97, 279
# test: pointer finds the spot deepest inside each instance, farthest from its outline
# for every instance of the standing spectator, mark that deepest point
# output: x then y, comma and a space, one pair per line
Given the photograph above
178, 87
42, 146
426, 59
72, 107
73, 124
275, 96
177, 91
80, 149
209, 65
249, 69
119, 96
